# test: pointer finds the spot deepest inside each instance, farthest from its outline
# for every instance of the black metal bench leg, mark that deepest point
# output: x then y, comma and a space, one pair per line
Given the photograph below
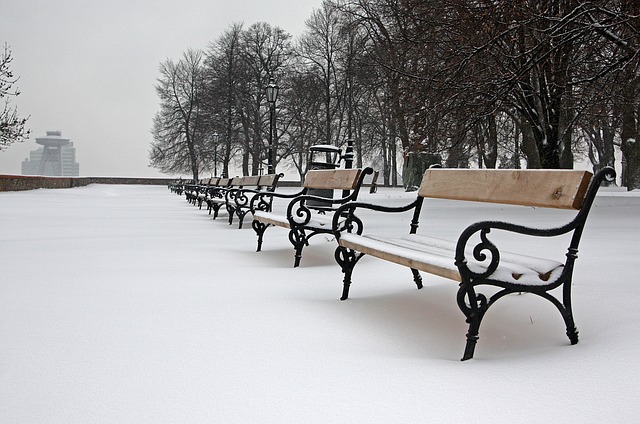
259, 228
231, 212
241, 216
472, 339
474, 310
298, 239
417, 278
347, 260
572, 331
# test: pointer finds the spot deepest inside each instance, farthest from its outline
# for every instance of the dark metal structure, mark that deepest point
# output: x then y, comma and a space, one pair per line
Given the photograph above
301, 216
272, 95
475, 245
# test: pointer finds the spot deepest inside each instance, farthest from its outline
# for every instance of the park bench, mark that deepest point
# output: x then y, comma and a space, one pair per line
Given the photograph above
193, 189
180, 186
229, 193
214, 195
199, 192
476, 258
175, 185
239, 199
307, 213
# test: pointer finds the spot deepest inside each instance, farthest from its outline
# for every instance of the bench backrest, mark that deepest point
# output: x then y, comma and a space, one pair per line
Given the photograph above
246, 181
337, 179
224, 182
548, 188
269, 180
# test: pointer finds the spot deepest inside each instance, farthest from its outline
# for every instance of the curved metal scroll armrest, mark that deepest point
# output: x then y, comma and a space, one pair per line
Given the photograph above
262, 199
217, 192
243, 196
345, 219
231, 193
238, 196
485, 249
299, 214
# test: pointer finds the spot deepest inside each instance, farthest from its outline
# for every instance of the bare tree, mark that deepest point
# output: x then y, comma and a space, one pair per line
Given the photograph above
179, 127
627, 42
224, 74
12, 126
265, 52
320, 48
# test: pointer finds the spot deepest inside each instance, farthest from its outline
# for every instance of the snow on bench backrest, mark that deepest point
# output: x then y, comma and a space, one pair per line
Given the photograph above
532, 187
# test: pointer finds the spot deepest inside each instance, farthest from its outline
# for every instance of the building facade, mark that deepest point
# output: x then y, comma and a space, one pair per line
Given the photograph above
56, 157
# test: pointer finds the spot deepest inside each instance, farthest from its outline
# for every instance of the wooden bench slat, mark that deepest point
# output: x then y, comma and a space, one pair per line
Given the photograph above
563, 189
436, 256
362, 244
338, 179
305, 216
249, 180
267, 180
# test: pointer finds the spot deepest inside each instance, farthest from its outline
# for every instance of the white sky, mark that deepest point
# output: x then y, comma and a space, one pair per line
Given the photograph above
88, 68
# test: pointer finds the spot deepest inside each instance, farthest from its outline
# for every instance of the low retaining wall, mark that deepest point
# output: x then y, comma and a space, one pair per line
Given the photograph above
21, 182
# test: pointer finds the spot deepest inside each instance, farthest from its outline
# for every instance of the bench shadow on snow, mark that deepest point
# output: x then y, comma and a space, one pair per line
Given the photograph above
424, 323
427, 323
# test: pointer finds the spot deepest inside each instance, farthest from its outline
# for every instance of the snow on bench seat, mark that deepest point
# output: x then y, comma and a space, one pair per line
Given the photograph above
310, 212
317, 221
436, 256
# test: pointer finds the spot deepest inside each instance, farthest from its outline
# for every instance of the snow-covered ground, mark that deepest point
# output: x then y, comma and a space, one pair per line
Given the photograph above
125, 304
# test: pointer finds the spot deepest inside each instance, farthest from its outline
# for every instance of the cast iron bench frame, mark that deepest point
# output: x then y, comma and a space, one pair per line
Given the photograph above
194, 189
475, 260
226, 193
215, 194
307, 214
239, 199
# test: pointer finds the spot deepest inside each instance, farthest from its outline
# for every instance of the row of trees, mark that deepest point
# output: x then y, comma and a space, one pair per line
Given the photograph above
484, 82
12, 125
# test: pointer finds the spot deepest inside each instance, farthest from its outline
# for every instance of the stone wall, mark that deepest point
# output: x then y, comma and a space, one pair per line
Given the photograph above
20, 182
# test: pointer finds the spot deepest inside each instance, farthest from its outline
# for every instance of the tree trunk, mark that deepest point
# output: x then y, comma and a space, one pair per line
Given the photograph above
630, 147
415, 164
393, 151
529, 148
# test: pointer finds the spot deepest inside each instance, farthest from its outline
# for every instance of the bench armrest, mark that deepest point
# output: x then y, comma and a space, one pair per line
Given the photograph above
242, 196
262, 199
299, 212
345, 218
485, 247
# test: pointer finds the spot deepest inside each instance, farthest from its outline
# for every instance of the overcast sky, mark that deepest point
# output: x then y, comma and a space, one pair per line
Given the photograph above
88, 68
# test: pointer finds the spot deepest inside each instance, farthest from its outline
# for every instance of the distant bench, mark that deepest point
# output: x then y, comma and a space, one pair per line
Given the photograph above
311, 210
236, 195
218, 193
475, 259
193, 190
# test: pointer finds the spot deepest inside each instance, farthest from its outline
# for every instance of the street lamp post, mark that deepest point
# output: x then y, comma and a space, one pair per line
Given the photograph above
216, 137
272, 96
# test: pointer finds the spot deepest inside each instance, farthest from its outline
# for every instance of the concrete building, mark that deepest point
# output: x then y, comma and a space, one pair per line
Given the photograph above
56, 157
